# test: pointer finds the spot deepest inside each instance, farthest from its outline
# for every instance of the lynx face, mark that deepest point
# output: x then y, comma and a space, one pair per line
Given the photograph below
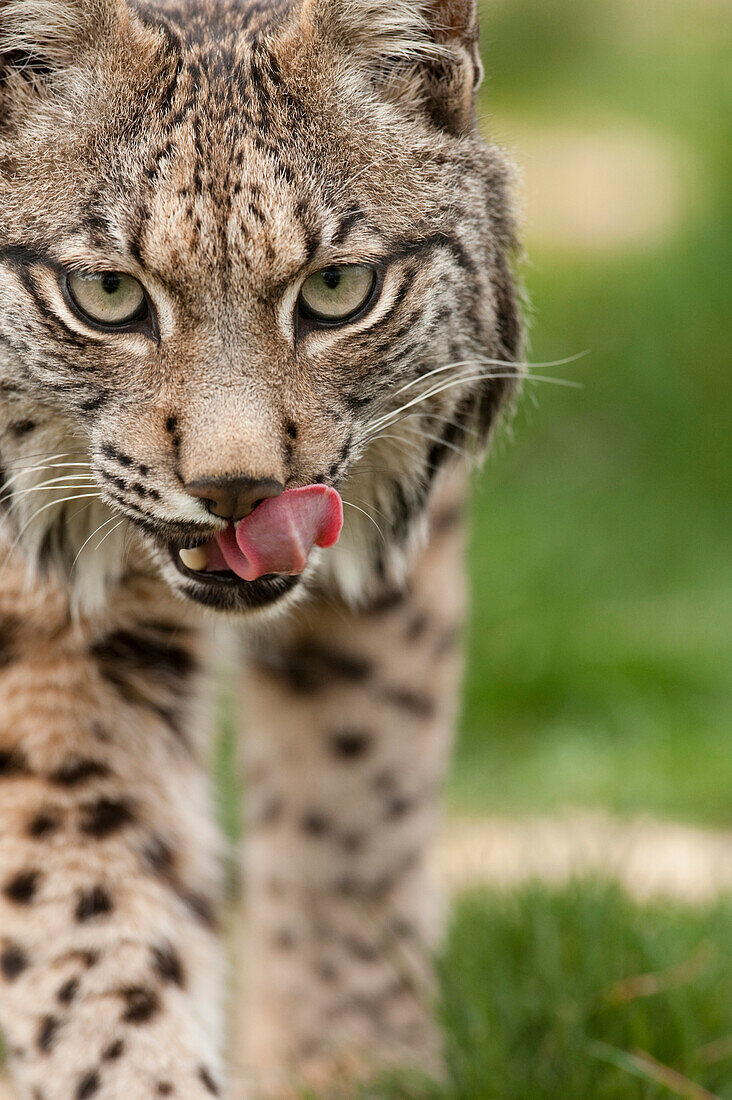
241, 254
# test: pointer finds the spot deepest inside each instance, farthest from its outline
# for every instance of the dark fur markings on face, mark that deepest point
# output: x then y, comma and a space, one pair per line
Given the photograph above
212, 130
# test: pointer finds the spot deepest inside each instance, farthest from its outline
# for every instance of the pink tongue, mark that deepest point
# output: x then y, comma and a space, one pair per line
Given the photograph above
280, 533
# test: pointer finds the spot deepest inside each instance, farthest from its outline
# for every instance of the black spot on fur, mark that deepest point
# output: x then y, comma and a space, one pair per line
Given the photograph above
47, 1031
345, 450
68, 991
208, 1081
445, 519
93, 404
166, 963
164, 1088
111, 452
114, 1051
350, 744
105, 816
291, 429
403, 929
42, 825
141, 1004
416, 703
77, 770
416, 626
95, 902
13, 961
12, 763
386, 601
123, 656
22, 887
142, 652
159, 857
397, 807
200, 906
307, 669
314, 824
88, 1085
365, 952
138, 664
116, 480
86, 958
22, 427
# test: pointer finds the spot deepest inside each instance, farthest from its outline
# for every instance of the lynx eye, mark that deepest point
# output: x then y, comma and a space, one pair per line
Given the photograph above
110, 298
337, 293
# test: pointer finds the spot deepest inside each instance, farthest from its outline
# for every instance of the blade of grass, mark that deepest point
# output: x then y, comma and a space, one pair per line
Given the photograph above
648, 985
643, 1065
716, 1051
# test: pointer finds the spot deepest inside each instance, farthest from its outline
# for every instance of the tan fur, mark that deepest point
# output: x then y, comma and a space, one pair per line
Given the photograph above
349, 722
221, 155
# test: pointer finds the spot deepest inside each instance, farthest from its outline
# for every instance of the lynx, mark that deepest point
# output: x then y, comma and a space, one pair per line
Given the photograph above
257, 317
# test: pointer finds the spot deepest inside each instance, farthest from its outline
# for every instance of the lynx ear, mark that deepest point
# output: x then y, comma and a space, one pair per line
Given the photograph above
38, 37
431, 42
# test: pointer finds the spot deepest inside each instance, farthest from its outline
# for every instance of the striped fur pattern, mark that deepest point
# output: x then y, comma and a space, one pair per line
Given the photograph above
220, 152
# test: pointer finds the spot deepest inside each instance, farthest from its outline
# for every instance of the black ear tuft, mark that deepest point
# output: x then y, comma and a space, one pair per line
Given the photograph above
452, 80
423, 50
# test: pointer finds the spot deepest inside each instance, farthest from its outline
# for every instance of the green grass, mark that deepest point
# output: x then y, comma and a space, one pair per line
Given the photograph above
539, 1000
601, 635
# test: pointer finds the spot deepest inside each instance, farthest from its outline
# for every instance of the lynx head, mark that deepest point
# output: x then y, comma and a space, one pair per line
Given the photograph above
243, 250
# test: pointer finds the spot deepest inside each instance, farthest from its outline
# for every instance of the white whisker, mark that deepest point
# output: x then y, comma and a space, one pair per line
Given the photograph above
373, 507
433, 439
478, 360
66, 482
441, 418
461, 380
363, 512
43, 466
110, 532
91, 536
49, 456
26, 525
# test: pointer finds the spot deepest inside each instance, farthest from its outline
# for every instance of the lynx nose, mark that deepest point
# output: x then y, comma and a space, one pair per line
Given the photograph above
233, 497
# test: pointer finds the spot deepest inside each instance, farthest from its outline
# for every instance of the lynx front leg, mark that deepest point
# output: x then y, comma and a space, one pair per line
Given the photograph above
348, 728
109, 967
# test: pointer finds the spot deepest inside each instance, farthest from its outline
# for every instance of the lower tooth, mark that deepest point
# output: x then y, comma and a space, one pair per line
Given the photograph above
195, 558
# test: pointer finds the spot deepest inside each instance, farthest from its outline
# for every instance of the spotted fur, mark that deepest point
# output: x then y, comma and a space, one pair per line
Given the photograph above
220, 152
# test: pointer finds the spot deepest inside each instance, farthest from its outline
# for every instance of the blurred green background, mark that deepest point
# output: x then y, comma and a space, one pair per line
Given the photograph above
600, 652
600, 646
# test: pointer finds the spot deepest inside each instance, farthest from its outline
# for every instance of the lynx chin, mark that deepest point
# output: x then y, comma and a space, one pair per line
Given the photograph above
257, 318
